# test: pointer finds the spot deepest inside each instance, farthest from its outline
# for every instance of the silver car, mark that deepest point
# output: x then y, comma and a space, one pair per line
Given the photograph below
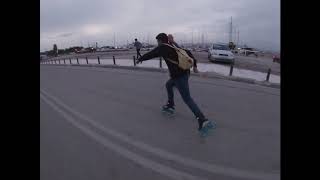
220, 53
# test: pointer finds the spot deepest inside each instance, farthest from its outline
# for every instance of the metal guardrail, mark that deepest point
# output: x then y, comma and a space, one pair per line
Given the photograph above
54, 61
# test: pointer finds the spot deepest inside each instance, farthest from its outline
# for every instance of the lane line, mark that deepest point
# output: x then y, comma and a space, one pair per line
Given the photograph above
212, 168
147, 163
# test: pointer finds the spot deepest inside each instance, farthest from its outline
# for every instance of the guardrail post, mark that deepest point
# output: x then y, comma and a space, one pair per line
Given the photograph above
114, 60
231, 70
59, 61
55, 61
268, 74
160, 62
87, 60
77, 60
64, 60
70, 60
98, 60
134, 60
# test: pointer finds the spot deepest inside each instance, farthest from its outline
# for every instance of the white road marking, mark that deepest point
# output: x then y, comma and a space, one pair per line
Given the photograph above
157, 167
212, 168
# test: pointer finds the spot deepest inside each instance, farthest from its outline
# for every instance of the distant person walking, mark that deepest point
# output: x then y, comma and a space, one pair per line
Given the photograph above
138, 46
179, 78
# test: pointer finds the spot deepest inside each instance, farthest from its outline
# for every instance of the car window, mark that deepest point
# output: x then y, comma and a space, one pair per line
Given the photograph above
220, 47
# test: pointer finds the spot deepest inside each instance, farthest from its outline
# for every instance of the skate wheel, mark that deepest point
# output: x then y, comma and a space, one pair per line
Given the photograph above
203, 132
210, 125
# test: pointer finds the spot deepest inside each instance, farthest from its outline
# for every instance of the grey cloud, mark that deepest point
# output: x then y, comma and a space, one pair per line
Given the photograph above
65, 35
257, 20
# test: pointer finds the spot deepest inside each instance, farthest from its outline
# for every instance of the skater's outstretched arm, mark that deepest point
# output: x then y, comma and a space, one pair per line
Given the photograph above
150, 55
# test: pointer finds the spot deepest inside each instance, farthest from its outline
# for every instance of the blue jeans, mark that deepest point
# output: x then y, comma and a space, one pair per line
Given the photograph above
181, 83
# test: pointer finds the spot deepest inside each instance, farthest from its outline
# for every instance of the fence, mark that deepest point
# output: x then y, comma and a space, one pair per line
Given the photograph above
98, 61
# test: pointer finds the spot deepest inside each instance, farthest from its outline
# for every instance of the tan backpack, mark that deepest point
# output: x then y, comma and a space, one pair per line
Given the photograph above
185, 62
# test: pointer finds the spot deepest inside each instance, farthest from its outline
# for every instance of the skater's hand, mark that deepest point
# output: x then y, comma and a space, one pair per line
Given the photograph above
195, 69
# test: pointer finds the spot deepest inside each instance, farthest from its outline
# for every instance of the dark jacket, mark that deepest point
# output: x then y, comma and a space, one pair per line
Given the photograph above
175, 44
166, 52
138, 45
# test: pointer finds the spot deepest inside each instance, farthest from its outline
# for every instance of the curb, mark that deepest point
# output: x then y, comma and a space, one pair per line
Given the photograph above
201, 74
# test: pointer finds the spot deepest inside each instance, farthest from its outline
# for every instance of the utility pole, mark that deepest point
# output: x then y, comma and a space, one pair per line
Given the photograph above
192, 38
114, 40
234, 34
199, 38
238, 38
202, 40
230, 34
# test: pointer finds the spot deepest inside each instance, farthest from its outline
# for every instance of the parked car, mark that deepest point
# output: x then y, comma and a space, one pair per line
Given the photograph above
248, 51
276, 58
86, 50
220, 53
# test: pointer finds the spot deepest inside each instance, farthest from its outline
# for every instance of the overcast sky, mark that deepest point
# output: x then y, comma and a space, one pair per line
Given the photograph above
79, 22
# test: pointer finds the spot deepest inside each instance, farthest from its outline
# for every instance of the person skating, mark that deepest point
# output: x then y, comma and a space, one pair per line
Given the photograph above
178, 78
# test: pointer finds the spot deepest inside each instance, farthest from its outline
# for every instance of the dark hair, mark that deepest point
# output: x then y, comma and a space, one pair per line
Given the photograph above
135, 39
162, 37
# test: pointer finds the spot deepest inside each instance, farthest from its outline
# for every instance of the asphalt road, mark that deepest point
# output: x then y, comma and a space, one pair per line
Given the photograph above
106, 124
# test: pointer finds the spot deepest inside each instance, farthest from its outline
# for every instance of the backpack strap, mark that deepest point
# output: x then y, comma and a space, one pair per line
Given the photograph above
174, 62
170, 46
